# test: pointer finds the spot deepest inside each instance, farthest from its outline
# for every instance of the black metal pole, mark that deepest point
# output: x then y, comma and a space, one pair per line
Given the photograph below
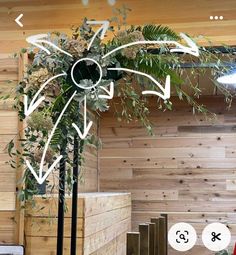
61, 205
74, 196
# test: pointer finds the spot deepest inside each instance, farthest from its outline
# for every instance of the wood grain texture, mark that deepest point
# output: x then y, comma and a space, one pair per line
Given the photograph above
182, 16
7, 227
8, 130
88, 172
133, 243
186, 172
96, 203
95, 223
13, 69
23, 61
144, 238
103, 220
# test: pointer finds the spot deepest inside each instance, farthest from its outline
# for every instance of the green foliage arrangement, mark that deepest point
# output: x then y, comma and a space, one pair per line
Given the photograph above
134, 106
224, 252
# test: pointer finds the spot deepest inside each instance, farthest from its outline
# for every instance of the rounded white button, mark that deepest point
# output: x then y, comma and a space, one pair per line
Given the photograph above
182, 236
216, 237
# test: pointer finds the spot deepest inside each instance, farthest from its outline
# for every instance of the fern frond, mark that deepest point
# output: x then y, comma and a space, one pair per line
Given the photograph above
158, 32
56, 138
155, 66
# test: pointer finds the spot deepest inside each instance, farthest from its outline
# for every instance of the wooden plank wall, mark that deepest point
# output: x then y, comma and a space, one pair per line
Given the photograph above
8, 130
186, 170
88, 177
89, 170
187, 16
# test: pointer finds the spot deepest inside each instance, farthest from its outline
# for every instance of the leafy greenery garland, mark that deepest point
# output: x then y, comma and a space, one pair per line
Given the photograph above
134, 107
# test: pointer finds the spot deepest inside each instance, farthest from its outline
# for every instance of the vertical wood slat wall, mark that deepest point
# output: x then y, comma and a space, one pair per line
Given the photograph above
8, 130
187, 170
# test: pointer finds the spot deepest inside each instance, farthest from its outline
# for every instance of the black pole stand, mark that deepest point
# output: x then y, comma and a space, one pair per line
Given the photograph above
61, 205
74, 196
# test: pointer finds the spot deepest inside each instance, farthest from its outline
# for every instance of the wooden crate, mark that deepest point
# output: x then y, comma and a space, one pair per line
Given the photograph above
103, 220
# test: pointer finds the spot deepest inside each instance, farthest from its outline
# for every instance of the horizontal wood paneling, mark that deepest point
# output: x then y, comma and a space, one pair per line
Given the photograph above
103, 220
178, 152
182, 170
8, 130
7, 226
8, 81
88, 178
167, 142
184, 163
95, 223
96, 203
7, 200
41, 17
61, 15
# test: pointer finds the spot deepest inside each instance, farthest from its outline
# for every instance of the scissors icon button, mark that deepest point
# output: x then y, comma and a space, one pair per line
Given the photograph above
215, 237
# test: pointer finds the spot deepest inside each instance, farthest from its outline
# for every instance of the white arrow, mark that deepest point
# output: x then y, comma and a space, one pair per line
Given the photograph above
33, 105
41, 38
40, 178
86, 127
103, 29
166, 90
17, 20
192, 49
110, 93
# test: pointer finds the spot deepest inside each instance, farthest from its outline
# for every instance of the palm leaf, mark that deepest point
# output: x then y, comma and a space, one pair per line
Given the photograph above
158, 32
